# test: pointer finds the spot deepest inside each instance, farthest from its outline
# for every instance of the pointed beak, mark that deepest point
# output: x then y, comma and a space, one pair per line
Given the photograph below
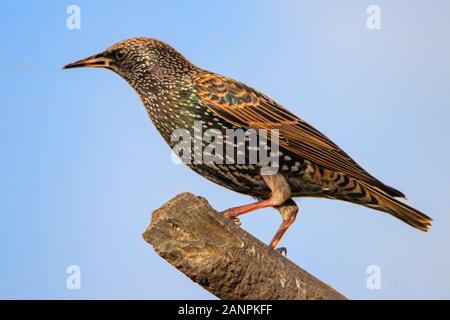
96, 61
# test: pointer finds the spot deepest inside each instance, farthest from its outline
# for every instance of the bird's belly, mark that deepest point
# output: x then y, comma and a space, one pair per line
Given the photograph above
244, 179
303, 177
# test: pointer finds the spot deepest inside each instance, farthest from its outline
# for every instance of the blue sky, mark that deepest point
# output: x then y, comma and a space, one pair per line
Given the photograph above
82, 167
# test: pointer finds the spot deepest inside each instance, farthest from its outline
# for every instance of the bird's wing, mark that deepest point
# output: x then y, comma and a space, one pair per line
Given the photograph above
245, 107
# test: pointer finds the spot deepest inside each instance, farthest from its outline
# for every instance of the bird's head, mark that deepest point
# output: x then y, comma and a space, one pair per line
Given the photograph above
140, 61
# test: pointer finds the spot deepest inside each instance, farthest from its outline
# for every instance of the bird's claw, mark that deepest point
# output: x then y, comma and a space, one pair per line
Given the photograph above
236, 221
229, 215
281, 250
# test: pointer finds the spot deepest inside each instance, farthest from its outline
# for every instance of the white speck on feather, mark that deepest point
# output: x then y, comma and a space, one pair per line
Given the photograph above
283, 282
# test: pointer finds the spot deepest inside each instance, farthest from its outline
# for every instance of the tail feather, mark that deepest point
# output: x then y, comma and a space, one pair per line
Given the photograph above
380, 200
391, 191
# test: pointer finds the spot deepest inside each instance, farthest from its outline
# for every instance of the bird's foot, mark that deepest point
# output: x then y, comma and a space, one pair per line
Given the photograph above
280, 251
229, 214
236, 221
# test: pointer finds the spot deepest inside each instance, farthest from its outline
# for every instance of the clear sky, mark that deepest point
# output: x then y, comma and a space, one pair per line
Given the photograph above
82, 167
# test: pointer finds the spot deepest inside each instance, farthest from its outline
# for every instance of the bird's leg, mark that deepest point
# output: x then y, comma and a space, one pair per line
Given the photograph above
288, 211
280, 193
234, 213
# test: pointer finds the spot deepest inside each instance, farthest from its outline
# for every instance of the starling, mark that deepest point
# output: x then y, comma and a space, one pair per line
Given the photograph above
177, 94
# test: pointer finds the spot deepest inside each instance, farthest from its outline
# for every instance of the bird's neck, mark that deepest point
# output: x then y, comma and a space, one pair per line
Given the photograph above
165, 100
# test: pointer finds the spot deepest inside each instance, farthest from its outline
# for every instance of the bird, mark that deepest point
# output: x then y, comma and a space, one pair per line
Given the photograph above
177, 94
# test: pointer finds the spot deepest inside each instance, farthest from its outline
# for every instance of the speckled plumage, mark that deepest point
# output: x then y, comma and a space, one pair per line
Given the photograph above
177, 93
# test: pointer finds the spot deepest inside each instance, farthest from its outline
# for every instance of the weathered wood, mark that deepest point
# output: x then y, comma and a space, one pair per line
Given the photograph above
225, 259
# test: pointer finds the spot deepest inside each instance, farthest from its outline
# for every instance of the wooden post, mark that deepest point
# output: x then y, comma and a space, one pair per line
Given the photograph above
225, 259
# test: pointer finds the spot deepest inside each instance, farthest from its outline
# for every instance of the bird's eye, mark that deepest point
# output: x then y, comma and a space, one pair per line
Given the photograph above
120, 54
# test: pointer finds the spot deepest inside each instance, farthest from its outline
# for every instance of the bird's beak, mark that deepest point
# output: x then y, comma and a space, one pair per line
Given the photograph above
95, 61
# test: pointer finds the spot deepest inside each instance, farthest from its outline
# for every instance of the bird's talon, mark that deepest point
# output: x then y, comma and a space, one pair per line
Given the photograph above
229, 215
281, 250
236, 221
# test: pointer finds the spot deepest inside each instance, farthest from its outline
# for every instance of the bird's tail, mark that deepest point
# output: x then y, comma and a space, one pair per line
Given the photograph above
378, 199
